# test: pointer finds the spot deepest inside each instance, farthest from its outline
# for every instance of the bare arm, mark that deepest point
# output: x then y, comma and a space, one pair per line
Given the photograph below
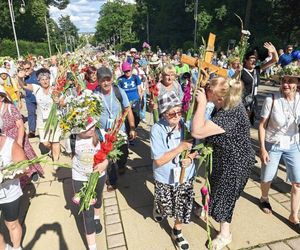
130, 117
140, 90
18, 153
21, 75
170, 155
21, 132
202, 128
270, 47
264, 156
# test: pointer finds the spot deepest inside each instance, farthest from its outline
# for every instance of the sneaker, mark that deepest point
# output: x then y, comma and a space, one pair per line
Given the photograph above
98, 226
31, 134
220, 242
35, 177
111, 188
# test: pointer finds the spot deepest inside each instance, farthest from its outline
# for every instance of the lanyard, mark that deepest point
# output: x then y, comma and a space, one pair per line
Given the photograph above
254, 80
106, 105
290, 110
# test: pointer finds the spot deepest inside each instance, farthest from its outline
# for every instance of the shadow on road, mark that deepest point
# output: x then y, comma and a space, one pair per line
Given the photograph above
55, 227
64, 175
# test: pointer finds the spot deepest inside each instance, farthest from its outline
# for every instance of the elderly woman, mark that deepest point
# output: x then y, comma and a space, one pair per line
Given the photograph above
44, 101
171, 198
228, 132
169, 82
279, 137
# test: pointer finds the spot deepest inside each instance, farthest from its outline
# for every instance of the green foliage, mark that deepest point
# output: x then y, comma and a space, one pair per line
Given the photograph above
8, 48
31, 25
115, 23
204, 20
221, 12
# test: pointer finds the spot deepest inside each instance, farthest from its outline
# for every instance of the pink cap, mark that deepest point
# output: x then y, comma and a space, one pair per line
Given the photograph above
126, 66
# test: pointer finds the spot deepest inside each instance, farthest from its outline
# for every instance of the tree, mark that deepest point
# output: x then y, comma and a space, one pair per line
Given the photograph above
69, 31
31, 25
115, 23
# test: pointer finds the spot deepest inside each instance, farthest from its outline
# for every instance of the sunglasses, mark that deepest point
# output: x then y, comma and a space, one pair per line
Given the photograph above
174, 114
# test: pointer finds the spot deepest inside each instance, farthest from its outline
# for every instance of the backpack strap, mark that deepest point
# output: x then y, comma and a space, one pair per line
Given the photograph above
273, 99
73, 144
118, 95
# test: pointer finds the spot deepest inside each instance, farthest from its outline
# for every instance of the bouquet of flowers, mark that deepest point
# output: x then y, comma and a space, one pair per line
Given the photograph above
52, 121
19, 168
80, 111
153, 91
241, 48
109, 150
69, 73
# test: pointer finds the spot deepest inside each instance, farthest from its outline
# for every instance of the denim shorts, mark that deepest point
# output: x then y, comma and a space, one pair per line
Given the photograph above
291, 158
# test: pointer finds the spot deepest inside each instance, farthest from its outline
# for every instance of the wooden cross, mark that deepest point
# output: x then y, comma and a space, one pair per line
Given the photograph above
205, 68
206, 63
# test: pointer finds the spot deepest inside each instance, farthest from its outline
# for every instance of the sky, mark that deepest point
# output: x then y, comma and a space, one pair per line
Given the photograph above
83, 13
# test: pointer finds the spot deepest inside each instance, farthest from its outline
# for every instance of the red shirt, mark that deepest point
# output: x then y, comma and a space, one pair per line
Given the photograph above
92, 85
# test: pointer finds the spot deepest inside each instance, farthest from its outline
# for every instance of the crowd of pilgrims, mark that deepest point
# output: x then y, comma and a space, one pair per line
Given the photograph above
225, 109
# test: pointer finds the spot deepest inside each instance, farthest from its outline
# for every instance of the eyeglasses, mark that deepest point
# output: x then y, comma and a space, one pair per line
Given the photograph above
174, 114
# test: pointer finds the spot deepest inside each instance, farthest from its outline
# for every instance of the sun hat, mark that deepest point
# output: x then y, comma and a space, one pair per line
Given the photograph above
154, 60
133, 50
168, 101
104, 72
91, 122
3, 71
291, 70
126, 66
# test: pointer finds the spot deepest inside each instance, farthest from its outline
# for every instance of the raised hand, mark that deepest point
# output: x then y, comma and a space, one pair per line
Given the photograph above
270, 47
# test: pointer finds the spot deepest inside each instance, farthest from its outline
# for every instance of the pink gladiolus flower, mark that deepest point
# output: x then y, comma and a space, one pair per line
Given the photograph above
146, 45
205, 207
204, 190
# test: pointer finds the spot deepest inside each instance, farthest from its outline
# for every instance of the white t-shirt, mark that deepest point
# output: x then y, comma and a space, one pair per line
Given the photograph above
44, 104
10, 190
83, 159
284, 120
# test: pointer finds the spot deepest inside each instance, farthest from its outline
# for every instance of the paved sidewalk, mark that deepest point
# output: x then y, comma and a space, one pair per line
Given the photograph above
51, 220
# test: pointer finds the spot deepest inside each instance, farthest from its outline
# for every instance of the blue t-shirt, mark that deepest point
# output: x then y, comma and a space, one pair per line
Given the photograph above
130, 85
32, 79
285, 59
160, 144
112, 108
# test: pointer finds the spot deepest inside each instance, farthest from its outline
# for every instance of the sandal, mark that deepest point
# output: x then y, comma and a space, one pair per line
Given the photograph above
157, 216
180, 241
295, 226
220, 242
265, 206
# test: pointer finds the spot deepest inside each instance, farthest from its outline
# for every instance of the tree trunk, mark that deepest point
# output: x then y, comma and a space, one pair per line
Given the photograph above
247, 14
